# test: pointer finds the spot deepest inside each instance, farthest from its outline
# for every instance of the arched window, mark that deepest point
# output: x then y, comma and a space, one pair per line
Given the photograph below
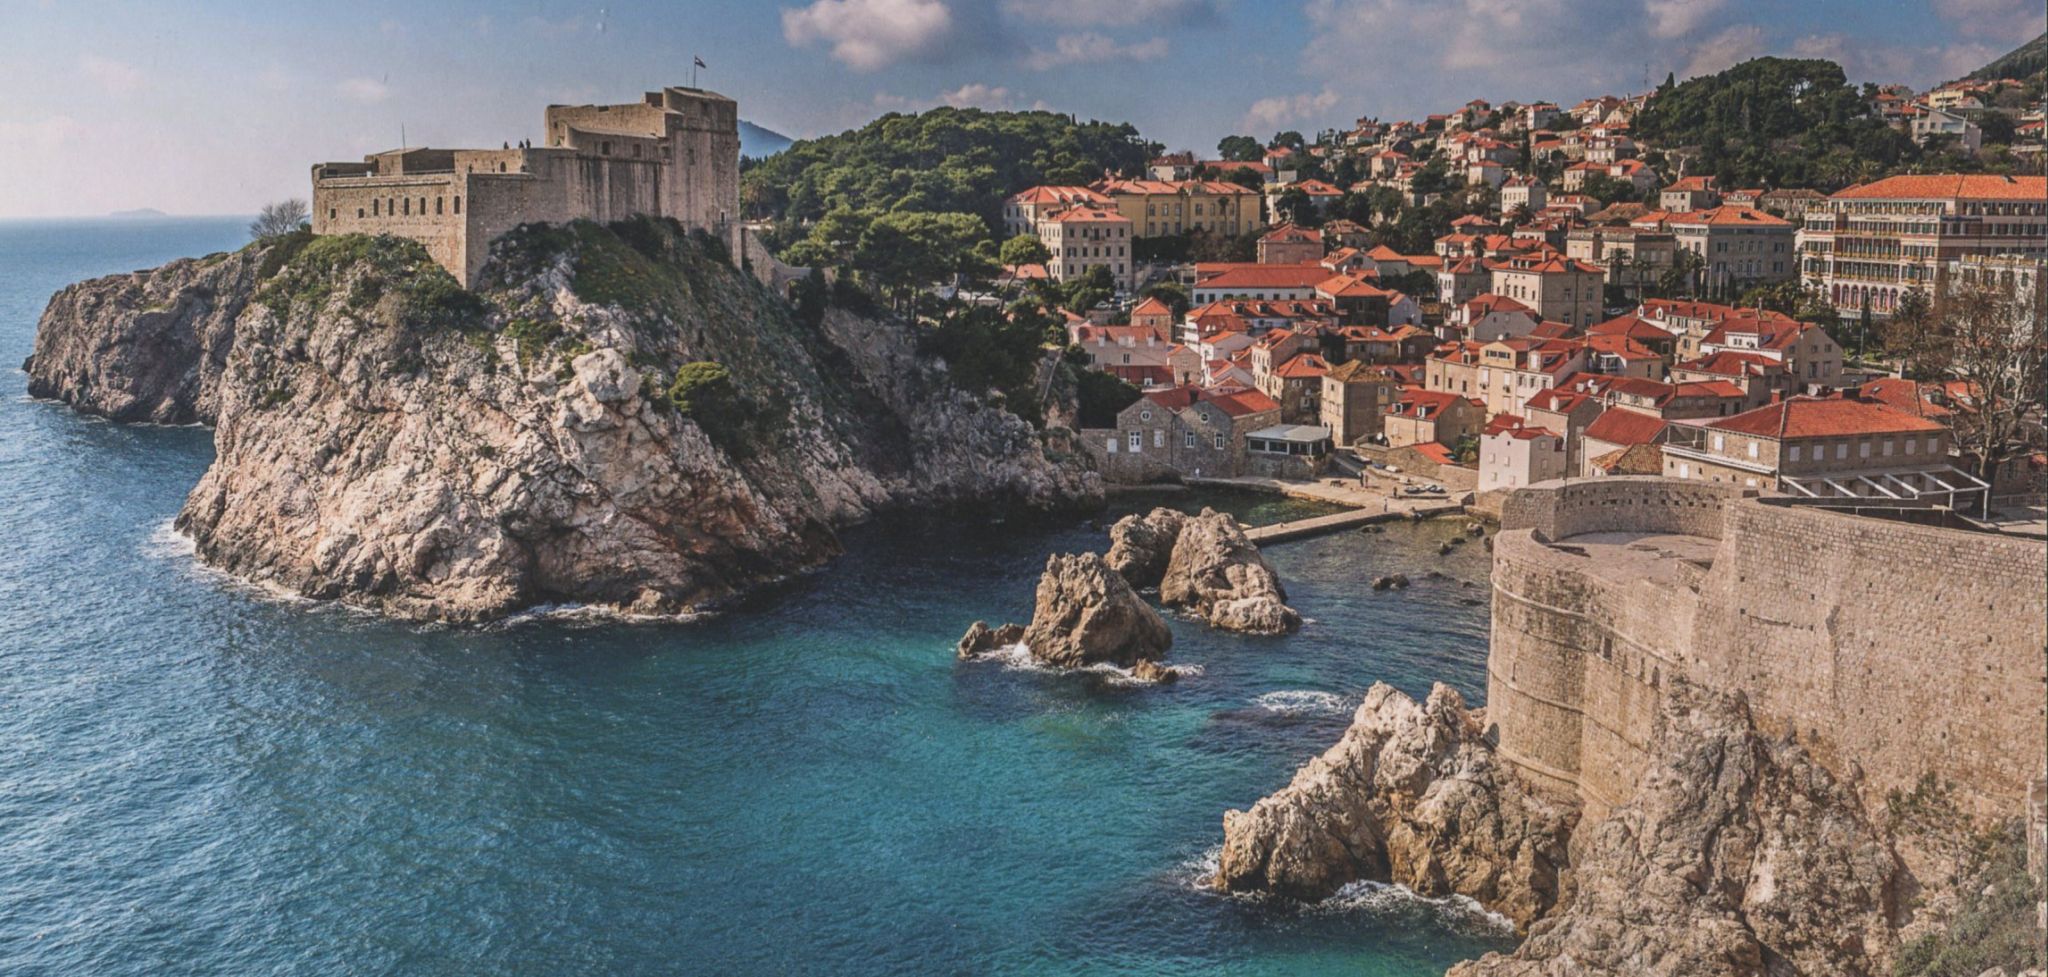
376, 208
458, 205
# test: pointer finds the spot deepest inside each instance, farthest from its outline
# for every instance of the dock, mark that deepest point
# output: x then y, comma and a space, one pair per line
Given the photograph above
1366, 507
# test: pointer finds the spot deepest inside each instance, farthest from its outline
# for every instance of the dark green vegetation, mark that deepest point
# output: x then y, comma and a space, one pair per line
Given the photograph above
1102, 396
1777, 122
944, 161
990, 352
399, 271
2028, 61
1995, 925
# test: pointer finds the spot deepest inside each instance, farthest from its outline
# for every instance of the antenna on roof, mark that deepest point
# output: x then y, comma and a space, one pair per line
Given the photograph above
401, 135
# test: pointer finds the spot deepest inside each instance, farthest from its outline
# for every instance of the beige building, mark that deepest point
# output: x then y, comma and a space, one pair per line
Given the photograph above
1355, 399
1737, 246
1870, 244
1082, 238
1618, 250
1291, 244
1513, 454
1835, 447
673, 154
1560, 289
1023, 211
1158, 208
1428, 416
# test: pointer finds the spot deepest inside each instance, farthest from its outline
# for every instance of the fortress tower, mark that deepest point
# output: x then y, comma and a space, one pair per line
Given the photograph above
675, 153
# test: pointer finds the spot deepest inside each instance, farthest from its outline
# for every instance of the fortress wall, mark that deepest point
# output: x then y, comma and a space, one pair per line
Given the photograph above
1576, 668
1639, 504
431, 200
1889, 648
1904, 649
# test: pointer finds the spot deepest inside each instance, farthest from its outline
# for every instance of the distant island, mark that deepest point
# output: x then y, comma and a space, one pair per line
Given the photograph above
139, 213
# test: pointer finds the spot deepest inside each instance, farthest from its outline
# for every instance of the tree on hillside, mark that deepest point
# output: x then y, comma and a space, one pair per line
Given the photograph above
1290, 139
1773, 122
1173, 294
1242, 149
1024, 249
1991, 337
279, 219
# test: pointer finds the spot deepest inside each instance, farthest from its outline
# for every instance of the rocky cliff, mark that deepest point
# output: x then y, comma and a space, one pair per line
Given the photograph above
1740, 855
615, 417
148, 345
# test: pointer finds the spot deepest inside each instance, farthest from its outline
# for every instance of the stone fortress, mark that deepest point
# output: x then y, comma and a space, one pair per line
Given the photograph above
1891, 651
675, 153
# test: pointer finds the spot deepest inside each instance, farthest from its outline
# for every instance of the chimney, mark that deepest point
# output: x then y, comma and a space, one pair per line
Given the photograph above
1777, 396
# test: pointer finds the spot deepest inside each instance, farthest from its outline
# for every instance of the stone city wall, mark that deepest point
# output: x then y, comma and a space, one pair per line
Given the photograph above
1887, 648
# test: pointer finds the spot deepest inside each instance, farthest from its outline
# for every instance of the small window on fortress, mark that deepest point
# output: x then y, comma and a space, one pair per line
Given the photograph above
604, 149
330, 213
437, 205
376, 208
359, 213
407, 203
458, 205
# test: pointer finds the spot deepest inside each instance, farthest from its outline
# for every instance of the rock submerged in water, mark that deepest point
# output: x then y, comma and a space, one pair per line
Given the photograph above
1396, 581
1219, 574
1412, 794
1085, 614
1141, 546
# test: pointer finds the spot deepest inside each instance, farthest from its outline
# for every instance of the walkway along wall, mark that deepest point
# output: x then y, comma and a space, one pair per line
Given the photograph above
1890, 650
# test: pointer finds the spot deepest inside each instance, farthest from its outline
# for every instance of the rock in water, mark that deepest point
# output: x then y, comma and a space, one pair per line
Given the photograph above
1412, 794
1087, 614
1151, 671
1739, 855
981, 639
1140, 546
614, 416
1218, 573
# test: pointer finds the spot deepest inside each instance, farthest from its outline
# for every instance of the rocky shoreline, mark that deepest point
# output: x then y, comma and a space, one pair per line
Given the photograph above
614, 417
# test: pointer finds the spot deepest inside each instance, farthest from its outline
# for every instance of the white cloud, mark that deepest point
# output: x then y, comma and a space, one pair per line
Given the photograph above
1282, 111
364, 89
870, 34
1675, 18
1112, 13
1091, 47
1730, 47
2014, 21
976, 95
1886, 63
117, 77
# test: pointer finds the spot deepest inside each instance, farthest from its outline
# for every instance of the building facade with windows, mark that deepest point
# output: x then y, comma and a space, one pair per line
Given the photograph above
1870, 244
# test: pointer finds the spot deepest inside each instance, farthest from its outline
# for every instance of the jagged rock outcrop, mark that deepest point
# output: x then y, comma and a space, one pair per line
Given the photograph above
1219, 574
981, 639
1140, 546
1087, 614
147, 345
1413, 795
1739, 856
614, 417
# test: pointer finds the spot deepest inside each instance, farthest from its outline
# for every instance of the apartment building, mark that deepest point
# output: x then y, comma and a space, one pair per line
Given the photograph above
1870, 244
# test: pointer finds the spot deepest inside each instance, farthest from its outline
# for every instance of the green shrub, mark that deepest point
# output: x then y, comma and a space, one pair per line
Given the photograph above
1102, 397
704, 392
1994, 926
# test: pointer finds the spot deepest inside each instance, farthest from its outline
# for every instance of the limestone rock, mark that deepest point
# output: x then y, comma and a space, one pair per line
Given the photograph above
147, 345
981, 639
386, 439
1087, 614
1151, 671
1140, 546
1219, 574
1739, 856
1412, 794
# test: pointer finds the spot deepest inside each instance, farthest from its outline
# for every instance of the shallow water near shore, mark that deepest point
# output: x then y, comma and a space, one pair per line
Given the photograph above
205, 779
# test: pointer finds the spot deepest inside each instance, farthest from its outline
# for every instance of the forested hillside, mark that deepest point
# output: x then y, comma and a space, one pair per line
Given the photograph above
1778, 122
2024, 62
945, 160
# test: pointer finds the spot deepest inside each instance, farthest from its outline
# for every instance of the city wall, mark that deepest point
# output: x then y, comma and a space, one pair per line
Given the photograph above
1890, 650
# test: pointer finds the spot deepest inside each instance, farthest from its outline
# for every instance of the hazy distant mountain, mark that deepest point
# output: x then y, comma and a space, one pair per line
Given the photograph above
2023, 61
760, 143
142, 213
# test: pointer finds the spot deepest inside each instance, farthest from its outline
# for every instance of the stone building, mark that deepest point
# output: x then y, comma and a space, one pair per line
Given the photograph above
673, 154
1083, 238
1355, 398
1842, 447
1182, 431
1870, 244
1737, 246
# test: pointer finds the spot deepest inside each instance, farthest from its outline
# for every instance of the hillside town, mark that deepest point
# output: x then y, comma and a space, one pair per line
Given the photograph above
1594, 308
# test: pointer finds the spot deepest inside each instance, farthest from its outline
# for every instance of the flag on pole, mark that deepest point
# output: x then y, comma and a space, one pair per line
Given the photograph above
699, 62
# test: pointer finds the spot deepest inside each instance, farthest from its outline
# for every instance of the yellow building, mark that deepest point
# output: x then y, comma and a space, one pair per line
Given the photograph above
1158, 208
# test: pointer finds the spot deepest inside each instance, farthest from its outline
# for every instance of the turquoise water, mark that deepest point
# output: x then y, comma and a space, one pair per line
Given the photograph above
201, 779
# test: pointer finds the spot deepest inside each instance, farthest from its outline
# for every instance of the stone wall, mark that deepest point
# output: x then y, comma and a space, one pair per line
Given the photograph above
1887, 648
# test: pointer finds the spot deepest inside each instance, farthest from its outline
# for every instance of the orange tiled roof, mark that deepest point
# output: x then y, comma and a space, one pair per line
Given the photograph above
1806, 417
1970, 186
1619, 425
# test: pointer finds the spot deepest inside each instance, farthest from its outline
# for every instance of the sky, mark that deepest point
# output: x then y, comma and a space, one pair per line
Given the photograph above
217, 106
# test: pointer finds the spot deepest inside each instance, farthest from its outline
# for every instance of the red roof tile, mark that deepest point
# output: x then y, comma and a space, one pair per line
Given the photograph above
1807, 417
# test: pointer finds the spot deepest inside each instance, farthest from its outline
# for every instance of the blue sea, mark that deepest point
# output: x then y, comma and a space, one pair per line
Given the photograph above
198, 777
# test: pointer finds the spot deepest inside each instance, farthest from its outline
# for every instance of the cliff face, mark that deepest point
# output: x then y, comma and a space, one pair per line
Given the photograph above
614, 417
145, 346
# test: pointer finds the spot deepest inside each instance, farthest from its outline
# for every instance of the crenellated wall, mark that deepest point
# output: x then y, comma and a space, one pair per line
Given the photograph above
1894, 649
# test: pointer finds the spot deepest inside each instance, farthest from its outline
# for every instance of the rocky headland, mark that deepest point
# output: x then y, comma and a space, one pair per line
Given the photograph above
1740, 855
615, 416
1203, 563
